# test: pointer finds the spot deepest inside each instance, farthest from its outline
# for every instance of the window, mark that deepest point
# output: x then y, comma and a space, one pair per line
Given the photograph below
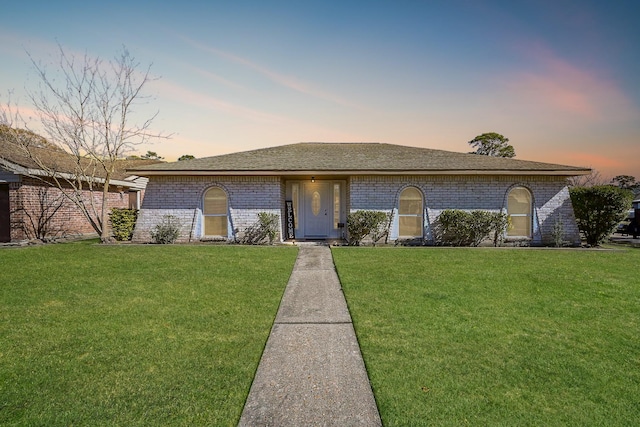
134, 199
519, 211
336, 205
295, 191
215, 212
410, 213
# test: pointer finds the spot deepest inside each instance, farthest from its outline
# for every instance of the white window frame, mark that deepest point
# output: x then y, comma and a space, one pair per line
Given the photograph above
205, 215
420, 214
528, 215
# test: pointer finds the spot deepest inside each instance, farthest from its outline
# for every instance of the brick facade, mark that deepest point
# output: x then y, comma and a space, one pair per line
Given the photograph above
31, 201
551, 201
182, 197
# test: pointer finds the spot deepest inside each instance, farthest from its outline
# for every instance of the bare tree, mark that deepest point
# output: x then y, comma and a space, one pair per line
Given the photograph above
592, 179
86, 109
40, 215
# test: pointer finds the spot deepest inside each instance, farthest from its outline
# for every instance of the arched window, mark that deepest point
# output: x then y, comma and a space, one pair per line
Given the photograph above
410, 212
215, 212
519, 209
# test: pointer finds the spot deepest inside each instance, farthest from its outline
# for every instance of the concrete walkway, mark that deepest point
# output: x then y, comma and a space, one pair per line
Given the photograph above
311, 372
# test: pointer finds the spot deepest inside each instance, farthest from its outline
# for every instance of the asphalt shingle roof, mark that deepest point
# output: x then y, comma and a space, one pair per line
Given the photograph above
61, 161
353, 158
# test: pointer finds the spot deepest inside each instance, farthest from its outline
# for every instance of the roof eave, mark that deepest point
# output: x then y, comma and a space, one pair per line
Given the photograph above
512, 172
21, 170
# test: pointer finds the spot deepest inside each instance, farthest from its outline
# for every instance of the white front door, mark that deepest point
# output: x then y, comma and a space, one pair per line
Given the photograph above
318, 209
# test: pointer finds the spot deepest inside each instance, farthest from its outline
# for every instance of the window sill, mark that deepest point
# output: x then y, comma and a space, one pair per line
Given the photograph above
214, 238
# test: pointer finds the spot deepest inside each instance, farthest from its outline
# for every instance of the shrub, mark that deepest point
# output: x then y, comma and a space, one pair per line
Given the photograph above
123, 222
363, 223
269, 224
501, 223
461, 228
167, 231
265, 229
558, 233
380, 229
599, 209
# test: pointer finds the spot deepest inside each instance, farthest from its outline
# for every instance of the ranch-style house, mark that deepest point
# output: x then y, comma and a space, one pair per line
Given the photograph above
312, 187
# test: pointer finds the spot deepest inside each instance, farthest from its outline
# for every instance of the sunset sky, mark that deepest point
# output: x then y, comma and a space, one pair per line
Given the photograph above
560, 79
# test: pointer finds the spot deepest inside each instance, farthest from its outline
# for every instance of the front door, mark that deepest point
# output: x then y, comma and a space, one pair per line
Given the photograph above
5, 216
318, 214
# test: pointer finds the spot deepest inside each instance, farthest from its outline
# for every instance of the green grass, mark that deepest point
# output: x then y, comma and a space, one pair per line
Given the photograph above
134, 335
497, 337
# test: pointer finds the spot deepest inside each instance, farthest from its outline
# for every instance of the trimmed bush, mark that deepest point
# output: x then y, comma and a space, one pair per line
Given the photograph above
461, 228
123, 222
599, 209
363, 223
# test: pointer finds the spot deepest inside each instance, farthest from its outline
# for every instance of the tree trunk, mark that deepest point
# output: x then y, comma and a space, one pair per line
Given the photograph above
105, 234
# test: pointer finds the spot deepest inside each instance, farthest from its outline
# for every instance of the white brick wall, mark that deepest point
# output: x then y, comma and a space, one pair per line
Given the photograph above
550, 198
247, 196
182, 197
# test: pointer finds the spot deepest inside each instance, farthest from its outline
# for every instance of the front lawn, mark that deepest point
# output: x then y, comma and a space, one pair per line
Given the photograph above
454, 336
134, 335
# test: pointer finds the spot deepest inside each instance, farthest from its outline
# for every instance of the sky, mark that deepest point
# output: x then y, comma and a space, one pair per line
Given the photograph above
559, 78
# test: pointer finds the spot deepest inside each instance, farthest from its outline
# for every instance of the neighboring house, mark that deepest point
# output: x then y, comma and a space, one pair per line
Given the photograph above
217, 198
30, 207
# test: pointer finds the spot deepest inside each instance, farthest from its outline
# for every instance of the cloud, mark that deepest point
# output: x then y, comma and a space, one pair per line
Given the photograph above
286, 81
200, 100
176, 92
558, 85
217, 78
609, 161
596, 160
41, 51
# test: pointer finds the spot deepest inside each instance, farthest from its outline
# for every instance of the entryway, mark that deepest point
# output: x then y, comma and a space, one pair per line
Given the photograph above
318, 207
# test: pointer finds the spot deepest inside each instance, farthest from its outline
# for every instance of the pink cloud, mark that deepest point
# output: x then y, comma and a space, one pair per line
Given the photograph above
560, 86
607, 162
595, 160
551, 91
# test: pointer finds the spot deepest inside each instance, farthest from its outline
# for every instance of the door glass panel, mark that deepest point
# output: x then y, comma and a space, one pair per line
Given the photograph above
295, 191
315, 203
336, 205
